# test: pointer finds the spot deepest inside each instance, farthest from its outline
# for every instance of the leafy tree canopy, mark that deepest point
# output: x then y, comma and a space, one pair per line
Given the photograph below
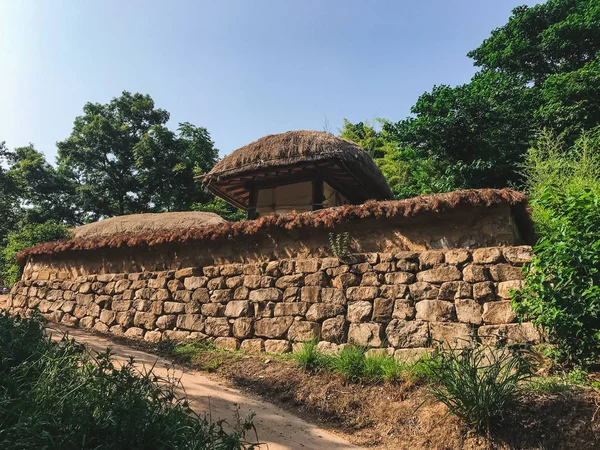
540, 70
123, 160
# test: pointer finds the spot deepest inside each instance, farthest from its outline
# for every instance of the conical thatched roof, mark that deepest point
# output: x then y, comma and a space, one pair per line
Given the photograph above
293, 155
143, 223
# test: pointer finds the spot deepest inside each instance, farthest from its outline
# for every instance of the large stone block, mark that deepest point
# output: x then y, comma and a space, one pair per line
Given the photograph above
518, 255
221, 296
407, 333
334, 329
272, 328
508, 334
319, 311
399, 278
243, 327
393, 291
125, 318
370, 279
211, 310
490, 255
303, 331
277, 346
403, 310
157, 283
226, 343
187, 272
451, 335
362, 293
191, 322
333, 295
201, 295
290, 309
468, 311
383, 309
153, 336
173, 307
365, 334
435, 311
144, 320
440, 274
345, 280
506, 272
287, 281
307, 265
484, 291
359, 311
266, 295
431, 258
316, 279
411, 355
458, 256
252, 345
132, 333
474, 273
505, 288
423, 291
166, 322
217, 326
121, 286
455, 289
498, 312
237, 308
193, 283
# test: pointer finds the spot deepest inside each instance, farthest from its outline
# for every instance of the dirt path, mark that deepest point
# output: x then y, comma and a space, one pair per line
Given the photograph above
276, 428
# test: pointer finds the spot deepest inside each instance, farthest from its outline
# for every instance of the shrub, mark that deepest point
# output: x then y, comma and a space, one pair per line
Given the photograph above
340, 244
27, 236
562, 285
57, 395
477, 384
309, 358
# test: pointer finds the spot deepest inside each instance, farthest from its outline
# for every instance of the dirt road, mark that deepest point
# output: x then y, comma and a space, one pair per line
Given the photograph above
276, 428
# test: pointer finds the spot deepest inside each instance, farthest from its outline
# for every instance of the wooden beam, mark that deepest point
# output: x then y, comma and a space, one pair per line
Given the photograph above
318, 194
252, 199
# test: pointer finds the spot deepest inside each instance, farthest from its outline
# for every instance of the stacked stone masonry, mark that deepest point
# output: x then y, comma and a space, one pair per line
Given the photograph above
404, 303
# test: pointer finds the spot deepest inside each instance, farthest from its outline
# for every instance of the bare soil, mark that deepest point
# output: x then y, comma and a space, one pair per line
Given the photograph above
401, 416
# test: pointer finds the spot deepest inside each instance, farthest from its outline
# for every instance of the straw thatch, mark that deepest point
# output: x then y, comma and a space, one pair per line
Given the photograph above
295, 152
322, 219
146, 223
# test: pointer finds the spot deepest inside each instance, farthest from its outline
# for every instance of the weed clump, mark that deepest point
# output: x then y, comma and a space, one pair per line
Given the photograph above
58, 395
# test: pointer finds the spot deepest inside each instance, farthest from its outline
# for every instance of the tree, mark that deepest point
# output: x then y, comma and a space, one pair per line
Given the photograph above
166, 164
9, 199
43, 192
98, 155
540, 70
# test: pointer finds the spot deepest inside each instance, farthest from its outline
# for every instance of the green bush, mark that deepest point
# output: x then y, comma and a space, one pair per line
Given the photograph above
477, 384
57, 395
352, 363
27, 236
562, 285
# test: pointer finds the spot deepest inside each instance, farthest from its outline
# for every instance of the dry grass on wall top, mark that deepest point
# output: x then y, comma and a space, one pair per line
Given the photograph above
323, 219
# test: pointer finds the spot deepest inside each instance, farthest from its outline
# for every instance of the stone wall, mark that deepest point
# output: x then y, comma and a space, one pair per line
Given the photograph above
405, 302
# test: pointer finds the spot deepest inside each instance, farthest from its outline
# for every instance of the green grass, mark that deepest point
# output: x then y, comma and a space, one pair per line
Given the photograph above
478, 384
356, 365
58, 395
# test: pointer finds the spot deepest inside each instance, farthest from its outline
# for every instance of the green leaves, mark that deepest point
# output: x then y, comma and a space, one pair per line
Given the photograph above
562, 285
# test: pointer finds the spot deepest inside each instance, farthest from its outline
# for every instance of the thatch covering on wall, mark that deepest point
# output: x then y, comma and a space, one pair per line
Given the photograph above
322, 219
279, 157
146, 223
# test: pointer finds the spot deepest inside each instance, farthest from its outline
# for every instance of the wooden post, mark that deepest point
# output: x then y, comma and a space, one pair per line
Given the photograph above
252, 200
318, 194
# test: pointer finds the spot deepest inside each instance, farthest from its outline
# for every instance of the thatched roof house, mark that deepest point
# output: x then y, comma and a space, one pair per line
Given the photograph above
297, 171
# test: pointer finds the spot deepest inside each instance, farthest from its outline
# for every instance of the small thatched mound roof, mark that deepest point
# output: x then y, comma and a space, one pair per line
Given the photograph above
294, 155
144, 223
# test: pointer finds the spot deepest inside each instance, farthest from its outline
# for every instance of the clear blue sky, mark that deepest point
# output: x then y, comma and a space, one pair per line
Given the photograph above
240, 68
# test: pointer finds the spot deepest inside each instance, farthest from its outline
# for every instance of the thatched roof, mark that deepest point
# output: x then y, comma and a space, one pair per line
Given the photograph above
144, 223
322, 219
294, 155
